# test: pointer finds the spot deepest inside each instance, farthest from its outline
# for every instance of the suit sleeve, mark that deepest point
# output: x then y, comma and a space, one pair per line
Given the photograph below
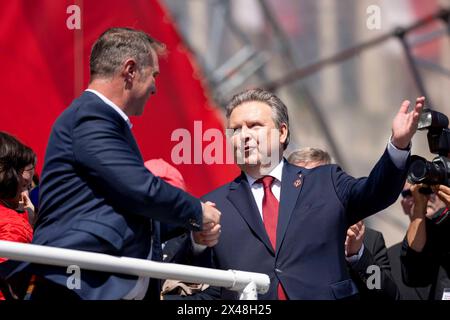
365, 196
419, 269
106, 159
376, 254
171, 231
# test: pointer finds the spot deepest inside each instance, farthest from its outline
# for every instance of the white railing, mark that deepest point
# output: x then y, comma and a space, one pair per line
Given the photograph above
249, 284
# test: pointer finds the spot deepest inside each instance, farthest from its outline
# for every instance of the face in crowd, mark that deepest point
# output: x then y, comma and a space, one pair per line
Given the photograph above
407, 202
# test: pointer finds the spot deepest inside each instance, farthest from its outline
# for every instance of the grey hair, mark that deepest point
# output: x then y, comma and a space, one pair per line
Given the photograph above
116, 45
279, 111
308, 154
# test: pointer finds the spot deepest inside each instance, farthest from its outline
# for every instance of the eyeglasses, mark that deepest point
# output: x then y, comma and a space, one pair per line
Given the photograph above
406, 193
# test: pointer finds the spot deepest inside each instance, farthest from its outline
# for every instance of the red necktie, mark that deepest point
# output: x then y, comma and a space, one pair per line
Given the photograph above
270, 217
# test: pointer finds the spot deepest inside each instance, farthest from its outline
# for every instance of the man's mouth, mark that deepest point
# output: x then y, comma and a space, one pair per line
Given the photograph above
249, 148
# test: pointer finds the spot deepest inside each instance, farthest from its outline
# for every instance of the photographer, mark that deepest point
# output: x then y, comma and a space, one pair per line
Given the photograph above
425, 257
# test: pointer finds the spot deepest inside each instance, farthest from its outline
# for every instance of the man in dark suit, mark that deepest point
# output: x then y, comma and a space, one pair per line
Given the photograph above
364, 247
96, 194
290, 222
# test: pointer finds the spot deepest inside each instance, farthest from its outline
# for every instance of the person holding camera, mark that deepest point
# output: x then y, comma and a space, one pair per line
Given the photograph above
425, 256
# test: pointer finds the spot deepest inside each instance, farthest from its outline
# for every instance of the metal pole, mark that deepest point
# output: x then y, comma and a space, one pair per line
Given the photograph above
293, 61
249, 292
401, 34
350, 52
230, 279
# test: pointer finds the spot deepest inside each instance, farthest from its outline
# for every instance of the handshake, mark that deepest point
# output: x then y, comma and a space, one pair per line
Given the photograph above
209, 236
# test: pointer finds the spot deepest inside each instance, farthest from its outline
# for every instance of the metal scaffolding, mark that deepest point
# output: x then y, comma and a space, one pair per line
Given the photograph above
252, 65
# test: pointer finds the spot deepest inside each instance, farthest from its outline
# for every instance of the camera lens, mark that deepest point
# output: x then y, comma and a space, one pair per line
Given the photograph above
418, 171
430, 173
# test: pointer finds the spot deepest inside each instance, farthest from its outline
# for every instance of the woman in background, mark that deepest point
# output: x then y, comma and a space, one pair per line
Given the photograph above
17, 163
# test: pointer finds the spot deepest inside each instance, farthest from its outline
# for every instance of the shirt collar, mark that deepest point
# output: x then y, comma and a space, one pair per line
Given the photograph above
112, 105
276, 172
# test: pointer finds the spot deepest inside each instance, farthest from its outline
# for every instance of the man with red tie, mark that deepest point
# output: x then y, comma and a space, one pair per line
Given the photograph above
290, 222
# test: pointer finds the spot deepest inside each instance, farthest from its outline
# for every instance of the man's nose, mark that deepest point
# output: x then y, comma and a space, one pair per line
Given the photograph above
245, 133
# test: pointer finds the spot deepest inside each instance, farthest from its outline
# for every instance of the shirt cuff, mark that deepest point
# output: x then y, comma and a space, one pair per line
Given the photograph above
355, 258
197, 248
398, 156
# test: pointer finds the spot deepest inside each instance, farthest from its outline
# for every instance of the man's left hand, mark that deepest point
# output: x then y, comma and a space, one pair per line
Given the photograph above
209, 236
354, 240
405, 123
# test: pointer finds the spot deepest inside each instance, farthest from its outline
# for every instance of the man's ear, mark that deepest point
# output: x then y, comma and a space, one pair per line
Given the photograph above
129, 70
283, 133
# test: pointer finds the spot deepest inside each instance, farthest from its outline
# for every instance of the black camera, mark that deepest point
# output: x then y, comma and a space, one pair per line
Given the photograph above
436, 171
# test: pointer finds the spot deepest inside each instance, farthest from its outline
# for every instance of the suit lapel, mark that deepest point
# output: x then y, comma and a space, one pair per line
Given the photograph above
291, 186
242, 198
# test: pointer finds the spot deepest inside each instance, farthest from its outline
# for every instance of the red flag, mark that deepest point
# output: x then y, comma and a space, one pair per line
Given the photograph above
47, 66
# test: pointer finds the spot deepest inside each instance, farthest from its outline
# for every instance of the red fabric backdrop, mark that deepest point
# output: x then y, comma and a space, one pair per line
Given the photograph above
47, 66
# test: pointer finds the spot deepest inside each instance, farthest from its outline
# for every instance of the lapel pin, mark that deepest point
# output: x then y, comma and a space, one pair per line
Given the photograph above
298, 182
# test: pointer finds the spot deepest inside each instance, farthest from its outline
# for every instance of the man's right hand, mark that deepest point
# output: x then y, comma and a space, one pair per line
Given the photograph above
354, 239
404, 125
209, 236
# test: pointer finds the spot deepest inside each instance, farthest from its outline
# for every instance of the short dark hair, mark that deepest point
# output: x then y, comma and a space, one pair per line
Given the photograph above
14, 157
115, 45
279, 111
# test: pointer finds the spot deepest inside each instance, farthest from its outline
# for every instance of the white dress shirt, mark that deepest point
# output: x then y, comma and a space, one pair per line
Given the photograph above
139, 290
112, 105
258, 189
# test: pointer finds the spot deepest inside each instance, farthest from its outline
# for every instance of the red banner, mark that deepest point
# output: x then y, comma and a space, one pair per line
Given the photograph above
46, 59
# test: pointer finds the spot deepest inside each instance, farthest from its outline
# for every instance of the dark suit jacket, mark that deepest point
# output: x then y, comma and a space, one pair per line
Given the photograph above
430, 267
313, 219
96, 195
406, 292
374, 253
